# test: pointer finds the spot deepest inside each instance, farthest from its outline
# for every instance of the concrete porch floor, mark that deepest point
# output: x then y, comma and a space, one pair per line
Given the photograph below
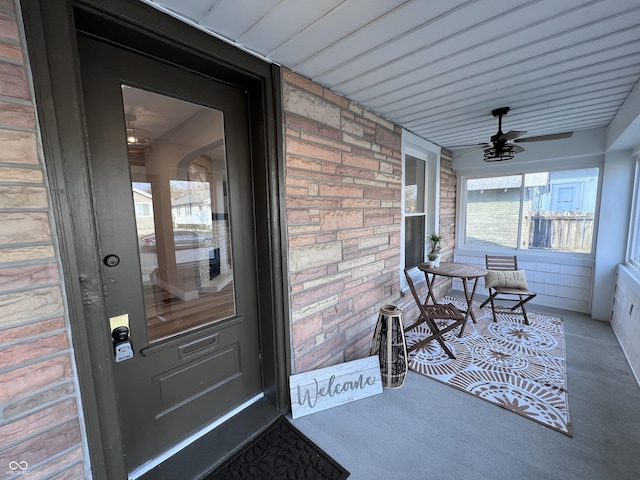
427, 430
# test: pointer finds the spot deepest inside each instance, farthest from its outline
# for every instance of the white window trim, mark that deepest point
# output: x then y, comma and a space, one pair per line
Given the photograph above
422, 149
633, 242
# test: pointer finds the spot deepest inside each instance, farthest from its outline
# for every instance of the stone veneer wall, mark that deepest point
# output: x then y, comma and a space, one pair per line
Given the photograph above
447, 220
343, 200
343, 184
40, 425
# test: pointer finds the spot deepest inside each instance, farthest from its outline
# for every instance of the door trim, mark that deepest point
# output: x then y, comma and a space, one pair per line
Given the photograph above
51, 29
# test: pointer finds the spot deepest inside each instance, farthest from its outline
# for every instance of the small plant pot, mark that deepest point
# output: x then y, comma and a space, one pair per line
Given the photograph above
431, 263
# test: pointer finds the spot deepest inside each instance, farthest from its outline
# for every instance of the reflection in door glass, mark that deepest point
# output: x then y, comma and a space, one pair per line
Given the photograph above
179, 187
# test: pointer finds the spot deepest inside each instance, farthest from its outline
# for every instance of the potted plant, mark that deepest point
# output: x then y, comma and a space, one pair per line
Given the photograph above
435, 241
432, 256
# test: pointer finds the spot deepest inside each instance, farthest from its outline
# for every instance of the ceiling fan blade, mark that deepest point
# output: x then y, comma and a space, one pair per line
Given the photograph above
544, 138
469, 145
517, 149
512, 135
472, 150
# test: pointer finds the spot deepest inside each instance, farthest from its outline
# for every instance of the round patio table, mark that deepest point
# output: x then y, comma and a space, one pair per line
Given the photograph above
463, 271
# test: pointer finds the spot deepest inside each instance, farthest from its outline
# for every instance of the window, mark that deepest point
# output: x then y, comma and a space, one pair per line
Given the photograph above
420, 177
493, 211
551, 211
143, 209
634, 227
414, 211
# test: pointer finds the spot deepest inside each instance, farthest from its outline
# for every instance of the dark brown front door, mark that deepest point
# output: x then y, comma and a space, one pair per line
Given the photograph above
172, 194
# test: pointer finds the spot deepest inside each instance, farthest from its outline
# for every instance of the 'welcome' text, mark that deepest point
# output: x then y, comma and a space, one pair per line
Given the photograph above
333, 388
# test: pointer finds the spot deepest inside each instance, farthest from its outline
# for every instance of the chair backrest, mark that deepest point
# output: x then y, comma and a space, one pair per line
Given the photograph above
414, 293
501, 262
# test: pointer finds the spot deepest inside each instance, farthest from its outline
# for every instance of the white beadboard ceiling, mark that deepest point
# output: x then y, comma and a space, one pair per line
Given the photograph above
438, 68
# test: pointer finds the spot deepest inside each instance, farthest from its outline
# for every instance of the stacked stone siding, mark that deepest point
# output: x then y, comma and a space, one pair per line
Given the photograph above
343, 185
40, 429
447, 214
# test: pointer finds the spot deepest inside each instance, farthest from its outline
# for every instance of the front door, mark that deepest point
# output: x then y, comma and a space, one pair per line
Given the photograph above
172, 194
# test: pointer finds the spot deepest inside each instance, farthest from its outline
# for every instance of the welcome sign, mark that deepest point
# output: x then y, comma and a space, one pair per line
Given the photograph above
332, 386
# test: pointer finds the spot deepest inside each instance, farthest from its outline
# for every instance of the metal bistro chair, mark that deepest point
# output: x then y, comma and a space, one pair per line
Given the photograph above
428, 314
505, 282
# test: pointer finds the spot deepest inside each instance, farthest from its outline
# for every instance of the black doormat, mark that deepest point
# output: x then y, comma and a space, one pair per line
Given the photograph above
280, 452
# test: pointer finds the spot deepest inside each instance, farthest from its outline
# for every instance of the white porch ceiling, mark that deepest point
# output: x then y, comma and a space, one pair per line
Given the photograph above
438, 68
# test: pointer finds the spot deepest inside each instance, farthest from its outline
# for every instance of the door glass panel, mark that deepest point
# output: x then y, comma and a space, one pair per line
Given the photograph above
179, 187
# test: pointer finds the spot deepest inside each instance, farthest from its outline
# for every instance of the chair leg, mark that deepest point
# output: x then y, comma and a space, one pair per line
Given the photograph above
520, 305
464, 324
493, 307
524, 311
437, 336
415, 324
446, 349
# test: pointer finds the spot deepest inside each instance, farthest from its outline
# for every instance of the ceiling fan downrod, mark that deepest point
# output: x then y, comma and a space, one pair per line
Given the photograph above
499, 112
499, 150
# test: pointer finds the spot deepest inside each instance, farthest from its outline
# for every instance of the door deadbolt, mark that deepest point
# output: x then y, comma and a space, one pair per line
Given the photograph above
111, 260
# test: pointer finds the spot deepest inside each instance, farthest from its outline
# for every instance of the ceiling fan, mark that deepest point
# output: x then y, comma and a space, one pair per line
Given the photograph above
502, 146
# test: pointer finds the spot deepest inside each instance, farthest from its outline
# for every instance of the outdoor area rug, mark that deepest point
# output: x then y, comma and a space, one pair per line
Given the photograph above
280, 452
519, 367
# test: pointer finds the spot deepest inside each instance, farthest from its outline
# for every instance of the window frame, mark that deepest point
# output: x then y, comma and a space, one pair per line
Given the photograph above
461, 213
633, 242
430, 153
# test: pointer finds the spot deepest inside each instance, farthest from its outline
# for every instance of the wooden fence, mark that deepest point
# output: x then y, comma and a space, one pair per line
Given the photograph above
567, 232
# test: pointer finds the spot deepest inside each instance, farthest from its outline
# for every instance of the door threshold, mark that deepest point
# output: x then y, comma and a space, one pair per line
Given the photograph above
164, 456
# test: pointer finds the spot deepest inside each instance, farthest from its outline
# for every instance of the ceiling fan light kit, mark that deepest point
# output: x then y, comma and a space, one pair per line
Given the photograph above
491, 154
137, 137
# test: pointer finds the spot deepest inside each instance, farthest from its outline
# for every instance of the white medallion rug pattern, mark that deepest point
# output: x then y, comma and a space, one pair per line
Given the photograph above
519, 367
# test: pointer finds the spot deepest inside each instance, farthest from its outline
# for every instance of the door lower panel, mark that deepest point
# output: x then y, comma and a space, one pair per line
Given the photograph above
180, 386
